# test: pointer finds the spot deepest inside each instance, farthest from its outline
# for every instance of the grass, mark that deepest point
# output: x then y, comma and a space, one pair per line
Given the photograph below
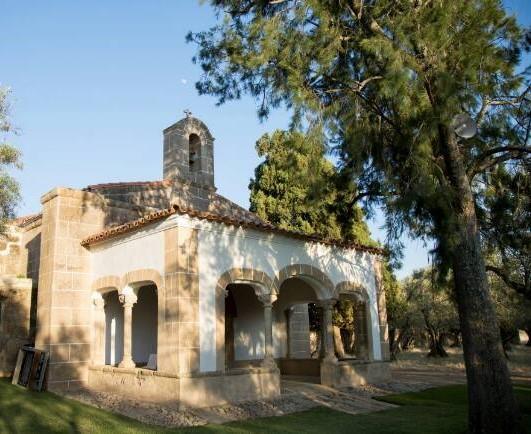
438, 410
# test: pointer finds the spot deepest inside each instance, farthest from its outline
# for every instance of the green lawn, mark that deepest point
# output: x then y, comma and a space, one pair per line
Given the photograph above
440, 410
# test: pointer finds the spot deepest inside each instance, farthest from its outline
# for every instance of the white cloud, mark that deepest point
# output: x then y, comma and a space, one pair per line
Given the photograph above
184, 80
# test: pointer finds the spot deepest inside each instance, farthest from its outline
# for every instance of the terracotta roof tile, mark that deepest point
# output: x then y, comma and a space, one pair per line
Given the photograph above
243, 221
26, 220
127, 184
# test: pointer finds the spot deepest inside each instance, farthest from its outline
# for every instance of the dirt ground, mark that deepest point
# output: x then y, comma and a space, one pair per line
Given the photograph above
414, 365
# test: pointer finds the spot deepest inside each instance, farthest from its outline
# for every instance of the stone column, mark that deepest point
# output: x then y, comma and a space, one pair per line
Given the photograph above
268, 300
289, 332
128, 300
328, 331
98, 341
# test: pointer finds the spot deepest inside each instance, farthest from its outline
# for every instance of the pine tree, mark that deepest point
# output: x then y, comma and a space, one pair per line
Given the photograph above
384, 80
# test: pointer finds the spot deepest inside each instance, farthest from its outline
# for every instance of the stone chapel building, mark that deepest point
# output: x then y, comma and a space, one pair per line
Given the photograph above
169, 292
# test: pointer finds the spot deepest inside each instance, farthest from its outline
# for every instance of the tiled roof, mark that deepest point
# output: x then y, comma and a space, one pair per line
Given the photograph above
127, 184
26, 220
242, 220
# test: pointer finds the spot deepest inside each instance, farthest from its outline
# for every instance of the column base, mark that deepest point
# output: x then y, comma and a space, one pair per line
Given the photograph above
269, 363
329, 360
129, 364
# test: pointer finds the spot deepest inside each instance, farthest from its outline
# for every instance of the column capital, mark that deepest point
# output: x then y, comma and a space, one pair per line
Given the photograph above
328, 304
99, 303
97, 300
128, 300
267, 299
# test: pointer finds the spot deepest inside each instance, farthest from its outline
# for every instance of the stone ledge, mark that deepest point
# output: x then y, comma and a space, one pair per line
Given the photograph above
149, 372
132, 371
15, 283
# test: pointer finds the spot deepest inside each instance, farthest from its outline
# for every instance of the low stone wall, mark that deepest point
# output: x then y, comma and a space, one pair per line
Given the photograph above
196, 390
205, 390
140, 384
15, 306
347, 373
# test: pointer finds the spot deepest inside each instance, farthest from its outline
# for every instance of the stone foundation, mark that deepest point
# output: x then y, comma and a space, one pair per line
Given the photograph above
195, 390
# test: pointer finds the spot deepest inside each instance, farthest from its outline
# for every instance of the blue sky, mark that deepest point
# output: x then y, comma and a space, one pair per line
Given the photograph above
95, 83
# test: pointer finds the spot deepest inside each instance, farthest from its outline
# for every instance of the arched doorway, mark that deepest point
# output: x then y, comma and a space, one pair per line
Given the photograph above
298, 329
244, 327
114, 328
352, 327
145, 326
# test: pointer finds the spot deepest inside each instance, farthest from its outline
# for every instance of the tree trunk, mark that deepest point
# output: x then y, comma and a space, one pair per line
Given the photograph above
338, 343
436, 344
456, 336
394, 342
406, 342
492, 406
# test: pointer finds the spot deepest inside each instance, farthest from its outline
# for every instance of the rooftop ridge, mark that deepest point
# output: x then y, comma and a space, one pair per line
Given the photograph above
126, 184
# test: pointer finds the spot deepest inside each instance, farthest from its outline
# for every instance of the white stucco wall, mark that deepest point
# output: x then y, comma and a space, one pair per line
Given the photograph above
224, 247
249, 334
139, 250
114, 329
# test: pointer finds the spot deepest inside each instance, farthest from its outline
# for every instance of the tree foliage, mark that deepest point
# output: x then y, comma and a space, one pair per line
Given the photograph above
384, 81
505, 216
383, 78
431, 307
9, 158
295, 188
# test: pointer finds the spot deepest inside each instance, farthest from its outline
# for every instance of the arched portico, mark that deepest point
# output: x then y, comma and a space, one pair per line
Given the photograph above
127, 315
304, 292
317, 279
362, 342
240, 282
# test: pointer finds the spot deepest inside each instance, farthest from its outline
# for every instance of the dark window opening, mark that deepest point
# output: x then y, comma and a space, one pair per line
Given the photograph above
194, 143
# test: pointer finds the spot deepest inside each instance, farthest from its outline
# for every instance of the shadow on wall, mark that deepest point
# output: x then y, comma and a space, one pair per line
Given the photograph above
33, 248
69, 360
14, 331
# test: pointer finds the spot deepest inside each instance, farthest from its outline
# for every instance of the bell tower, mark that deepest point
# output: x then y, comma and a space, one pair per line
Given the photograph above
189, 153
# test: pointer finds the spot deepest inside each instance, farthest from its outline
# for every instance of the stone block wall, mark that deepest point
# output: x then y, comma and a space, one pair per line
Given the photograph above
11, 253
155, 195
180, 353
15, 308
64, 294
177, 156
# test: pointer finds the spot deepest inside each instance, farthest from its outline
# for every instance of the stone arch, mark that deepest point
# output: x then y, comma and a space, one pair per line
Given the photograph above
106, 283
263, 285
102, 294
360, 294
132, 281
141, 276
318, 280
346, 287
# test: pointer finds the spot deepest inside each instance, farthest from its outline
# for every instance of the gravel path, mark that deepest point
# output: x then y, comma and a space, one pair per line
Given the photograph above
295, 396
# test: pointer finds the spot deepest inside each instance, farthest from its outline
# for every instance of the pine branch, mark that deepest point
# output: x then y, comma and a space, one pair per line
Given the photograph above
488, 159
502, 274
